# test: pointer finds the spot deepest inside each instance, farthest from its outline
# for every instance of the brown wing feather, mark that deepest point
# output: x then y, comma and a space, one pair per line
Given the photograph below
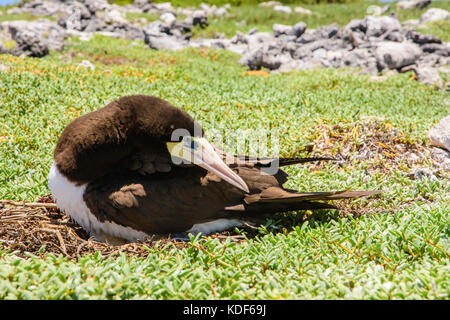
162, 202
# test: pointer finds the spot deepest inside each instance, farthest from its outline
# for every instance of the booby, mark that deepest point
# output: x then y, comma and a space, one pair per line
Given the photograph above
121, 172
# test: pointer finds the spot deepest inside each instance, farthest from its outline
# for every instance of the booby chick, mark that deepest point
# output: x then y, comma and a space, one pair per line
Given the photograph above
124, 172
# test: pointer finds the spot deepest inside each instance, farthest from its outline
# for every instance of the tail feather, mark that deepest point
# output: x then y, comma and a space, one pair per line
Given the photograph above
267, 196
279, 195
274, 199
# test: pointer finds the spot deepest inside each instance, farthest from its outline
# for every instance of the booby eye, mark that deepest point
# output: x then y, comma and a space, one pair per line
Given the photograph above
191, 144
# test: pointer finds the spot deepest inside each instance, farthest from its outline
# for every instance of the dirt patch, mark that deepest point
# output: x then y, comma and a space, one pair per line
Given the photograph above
106, 60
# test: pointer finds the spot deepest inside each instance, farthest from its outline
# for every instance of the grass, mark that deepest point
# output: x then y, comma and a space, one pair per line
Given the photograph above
398, 249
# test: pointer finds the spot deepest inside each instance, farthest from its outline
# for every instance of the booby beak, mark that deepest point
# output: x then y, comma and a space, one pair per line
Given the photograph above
200, 152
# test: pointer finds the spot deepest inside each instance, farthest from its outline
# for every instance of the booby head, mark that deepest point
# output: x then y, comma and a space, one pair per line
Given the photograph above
141, 132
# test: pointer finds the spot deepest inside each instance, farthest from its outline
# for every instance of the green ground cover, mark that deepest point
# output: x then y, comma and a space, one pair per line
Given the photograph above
395, 246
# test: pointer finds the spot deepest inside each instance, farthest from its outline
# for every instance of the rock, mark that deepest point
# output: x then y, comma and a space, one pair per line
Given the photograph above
259, 58
157, 28
3, 50
213, 10
434, 14
377, 10
141, 3
296, 30
308, 36
417, 4
252, 31
430, 60
394, 55
96, 5
168, 18
279, 29
429, 75
357, 25
219, 12
299, 28
393, 35
422, 38
420, 173
39, 8
239, 38
124, 31
270, 4
94, 25
302, 10
326, 32
439, 134
199, 18
284, 9
376, 26
165, 43
113, 16
439, 49
86, 64
29, 44
441, 158
164, 7
258, 38
361, 58
35, 38
75, 17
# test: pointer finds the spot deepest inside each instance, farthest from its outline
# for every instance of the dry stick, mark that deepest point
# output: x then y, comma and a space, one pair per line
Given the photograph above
211, 255
340, 245
82, 245
58, 235
427, 240
29, 204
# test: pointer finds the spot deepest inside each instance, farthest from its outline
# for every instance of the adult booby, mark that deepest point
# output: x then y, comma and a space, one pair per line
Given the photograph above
118, 173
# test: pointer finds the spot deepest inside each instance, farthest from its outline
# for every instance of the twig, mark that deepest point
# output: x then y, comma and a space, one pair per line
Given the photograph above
82, 245
58, 235
427, 240
29, 204
211, 255
340, 245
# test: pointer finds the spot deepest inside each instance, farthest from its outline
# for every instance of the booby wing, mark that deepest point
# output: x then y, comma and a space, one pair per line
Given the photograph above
173, 202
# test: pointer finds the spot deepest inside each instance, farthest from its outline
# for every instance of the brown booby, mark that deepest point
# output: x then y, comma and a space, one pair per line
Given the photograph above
119, 173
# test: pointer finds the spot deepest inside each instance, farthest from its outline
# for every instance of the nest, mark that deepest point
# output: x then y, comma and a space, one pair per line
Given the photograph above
39, 227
